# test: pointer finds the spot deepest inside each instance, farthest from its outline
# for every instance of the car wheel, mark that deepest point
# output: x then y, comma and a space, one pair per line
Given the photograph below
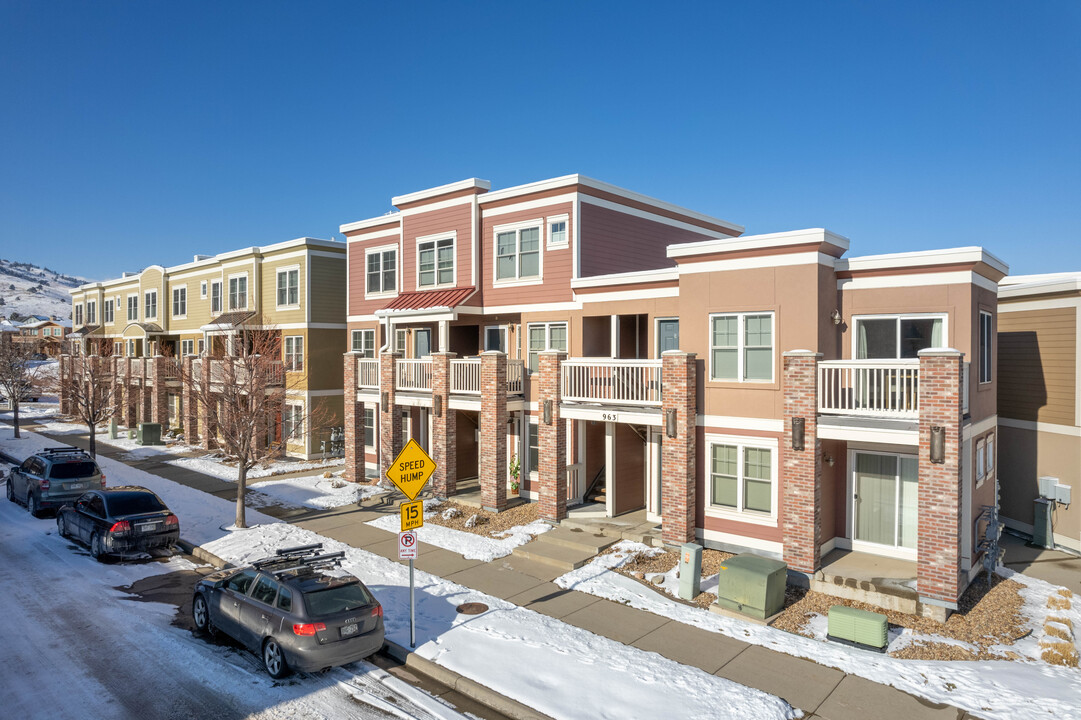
97, 547
61, 526
274, 659
31, 504
200, 613
10, 492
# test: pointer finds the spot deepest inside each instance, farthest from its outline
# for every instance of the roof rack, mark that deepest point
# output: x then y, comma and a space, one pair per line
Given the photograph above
310, 564
62, 449
290, 554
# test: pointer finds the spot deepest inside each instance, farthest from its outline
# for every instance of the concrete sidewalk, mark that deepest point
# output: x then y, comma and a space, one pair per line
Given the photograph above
818, 690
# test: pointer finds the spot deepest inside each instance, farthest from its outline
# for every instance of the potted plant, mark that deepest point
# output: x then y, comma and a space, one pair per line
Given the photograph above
515, 471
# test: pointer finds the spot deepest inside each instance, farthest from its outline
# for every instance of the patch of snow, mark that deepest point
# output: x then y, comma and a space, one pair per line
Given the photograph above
466, 544
316, 491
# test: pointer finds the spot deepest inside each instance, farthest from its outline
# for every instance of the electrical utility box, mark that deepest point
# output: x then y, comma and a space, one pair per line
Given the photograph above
858, 627
1042, 527
149, 434
752, 585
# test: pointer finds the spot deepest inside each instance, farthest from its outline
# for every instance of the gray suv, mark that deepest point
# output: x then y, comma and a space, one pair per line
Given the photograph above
292, 612
53, 477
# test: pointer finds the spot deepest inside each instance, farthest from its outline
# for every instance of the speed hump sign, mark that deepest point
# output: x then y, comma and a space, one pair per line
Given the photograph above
407, 545
411, 470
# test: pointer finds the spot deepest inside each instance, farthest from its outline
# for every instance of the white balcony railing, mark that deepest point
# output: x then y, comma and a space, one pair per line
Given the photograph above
515, 376
870, 388
621, 382
964, 387
367, 373
465, 376
414, 375
136, 368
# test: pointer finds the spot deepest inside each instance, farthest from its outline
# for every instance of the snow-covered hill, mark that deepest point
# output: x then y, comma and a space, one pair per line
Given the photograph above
27, 289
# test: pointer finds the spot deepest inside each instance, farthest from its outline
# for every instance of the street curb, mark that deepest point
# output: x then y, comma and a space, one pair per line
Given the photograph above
206, 556
470, 688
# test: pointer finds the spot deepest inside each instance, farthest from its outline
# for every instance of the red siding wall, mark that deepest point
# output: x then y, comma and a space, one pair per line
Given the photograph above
457, 218
618, 242
556, 265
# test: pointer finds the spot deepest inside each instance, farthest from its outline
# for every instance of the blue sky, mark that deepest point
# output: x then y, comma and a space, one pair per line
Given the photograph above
144, 132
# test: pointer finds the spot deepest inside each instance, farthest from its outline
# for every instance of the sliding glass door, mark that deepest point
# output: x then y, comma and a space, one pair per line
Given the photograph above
885, 500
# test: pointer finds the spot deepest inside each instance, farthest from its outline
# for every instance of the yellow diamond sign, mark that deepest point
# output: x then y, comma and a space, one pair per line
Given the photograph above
411, 470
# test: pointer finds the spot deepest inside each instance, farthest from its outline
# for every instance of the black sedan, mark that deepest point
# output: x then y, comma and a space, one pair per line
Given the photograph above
119, 520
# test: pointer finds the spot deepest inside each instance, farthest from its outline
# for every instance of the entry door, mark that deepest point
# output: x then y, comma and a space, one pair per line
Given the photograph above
495, 338
885, 500
667, 335
422, 343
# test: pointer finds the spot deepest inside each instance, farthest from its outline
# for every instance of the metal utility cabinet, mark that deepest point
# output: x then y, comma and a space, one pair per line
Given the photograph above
752, 585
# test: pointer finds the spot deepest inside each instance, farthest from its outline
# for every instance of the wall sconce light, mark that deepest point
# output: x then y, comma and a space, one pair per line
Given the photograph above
835, 316
938, 444
797, 433
828, 459
437, 405
385, 398
547, 412
670, 422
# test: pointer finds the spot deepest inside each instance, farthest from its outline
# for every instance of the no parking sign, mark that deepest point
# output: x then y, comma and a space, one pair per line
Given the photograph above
407, 545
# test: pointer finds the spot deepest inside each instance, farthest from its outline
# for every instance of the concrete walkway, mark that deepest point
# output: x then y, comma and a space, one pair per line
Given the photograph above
818, 690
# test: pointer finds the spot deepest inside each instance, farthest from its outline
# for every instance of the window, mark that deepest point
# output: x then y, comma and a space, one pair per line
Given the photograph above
91, 312
400, 341
741, 347
667, 335
369, 427
981, 461
187, 347
898, 336
382, 270
107, 312
285, 599
495, 338
151, 297
364, 343
240, 582
131, 348
202, 290
533, 442
118, 348
741, 476
990, 454
180, 301
133, 308
294, 352
265, 590
545, 336
292, 421
435, 262
986, 343
202, 345
517, 253
215, 297
78, 315
238, 293
557, 231
288, 287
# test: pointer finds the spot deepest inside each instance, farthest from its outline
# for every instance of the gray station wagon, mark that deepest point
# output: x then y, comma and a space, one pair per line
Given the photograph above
292, 612
52, 478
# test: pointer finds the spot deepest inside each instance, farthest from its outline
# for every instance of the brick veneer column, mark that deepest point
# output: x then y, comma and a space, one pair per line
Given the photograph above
159, 393
802, 469
390, 422
552, 440
66, 376
444, 429
354, 422
117, 389
189, 403
938, 551
493, 431
131, 399
678, 467
147, 401
208, 427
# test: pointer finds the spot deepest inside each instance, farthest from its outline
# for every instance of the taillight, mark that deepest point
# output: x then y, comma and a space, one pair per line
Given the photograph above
308, 628
43, 485
120, 527
103, 479
172, 521
377, 611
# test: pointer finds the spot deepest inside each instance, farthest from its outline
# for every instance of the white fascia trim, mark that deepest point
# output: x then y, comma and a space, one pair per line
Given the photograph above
597, 413
528, 205
766, 261
392, 232
384, 219
325, 393
733, 422
757, 242
309, 326
1070, 430
979, 428
1053, 304
627, 278
466, 184
947, 256
525, 308
1037, 288
956, 277
440, 205
618, 295
869, 435
652, 217
362, 318
1039, 278
422, 315
740, 541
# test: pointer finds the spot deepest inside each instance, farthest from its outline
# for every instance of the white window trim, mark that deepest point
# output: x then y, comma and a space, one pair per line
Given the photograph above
737, 514
127, 309
523, 458
77, 314
200, 346
894, 551
173, 308
547, 325
980, 465
146, 302
402, 347
191, 346
504, 329
108, 304
221, 296
203, 289
900, 316
741, 346
657, 334
227, 293
91, 305
278, 272
518, 280
296, 437
990, 349
375, 426
362, 332
118, 348
564, 218
453, 236
289, 367
397, 271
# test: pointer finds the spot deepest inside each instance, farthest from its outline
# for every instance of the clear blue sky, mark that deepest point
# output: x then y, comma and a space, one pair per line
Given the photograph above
143, 132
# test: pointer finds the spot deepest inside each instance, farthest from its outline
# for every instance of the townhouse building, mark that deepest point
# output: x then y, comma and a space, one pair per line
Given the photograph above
148, 324
46, 334
1039, 406
754, 393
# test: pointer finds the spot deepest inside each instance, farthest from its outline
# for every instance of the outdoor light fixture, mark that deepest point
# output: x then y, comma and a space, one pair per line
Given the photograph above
827, 458
835, 316
547, 412
797, 433
386, 401
437, 405
670, 422
938, 444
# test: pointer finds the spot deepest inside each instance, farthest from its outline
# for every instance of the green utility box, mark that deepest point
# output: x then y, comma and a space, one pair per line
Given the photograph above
752, 585
149, 434
858, 627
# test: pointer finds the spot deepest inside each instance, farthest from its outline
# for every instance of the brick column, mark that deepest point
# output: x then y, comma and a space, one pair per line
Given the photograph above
444, 429
208, 427
801, 477
131, 398
938, 553
678, 468
147, 401
159, 395
115, 363
189, 403
552, 440
354, 422
493, 431
66, 376
390, 422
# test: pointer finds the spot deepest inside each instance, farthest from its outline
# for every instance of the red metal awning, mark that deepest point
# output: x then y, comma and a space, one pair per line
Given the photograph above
428, 299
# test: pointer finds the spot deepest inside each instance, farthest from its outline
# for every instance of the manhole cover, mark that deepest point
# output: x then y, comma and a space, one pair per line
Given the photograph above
473, 608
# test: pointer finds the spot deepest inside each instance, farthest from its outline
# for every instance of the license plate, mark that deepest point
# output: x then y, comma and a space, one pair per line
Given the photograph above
146, 527
349, 630
76, 486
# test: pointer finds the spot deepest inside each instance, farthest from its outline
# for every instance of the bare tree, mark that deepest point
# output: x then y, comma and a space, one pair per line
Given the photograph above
241, 398
88, 384
20, 375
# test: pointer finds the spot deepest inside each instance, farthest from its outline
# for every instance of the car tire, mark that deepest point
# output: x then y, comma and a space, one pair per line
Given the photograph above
32, 504
10, 491
97, 548
200, 615
61, 526
274, 659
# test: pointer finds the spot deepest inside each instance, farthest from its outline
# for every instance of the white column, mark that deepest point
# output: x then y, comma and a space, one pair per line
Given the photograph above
614, 336
609, 467
444, 331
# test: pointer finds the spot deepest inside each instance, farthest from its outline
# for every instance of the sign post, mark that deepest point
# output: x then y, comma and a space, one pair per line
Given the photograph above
410, 472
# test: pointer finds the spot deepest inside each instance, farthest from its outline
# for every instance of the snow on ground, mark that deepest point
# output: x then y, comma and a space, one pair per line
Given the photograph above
992, 689
557, 669
317, 492
467, 544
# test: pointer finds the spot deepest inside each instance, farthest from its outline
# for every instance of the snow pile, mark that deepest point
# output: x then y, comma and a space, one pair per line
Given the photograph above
316, 491
466, 544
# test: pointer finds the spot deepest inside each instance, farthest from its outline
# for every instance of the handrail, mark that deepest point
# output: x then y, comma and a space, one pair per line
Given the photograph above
414, 375
870, 388
623, 382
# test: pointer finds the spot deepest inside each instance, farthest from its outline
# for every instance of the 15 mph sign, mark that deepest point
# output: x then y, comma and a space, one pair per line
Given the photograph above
407, 545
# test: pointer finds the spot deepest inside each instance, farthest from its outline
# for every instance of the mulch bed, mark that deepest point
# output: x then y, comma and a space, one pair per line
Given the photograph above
487, 523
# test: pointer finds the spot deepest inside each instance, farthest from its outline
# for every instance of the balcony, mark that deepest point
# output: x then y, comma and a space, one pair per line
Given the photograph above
611, 381
239, 374
367, 374
414, 376
870, 388
465, 376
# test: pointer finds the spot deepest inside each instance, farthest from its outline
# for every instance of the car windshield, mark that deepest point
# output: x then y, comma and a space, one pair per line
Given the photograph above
69, 470
134, 503
337, 599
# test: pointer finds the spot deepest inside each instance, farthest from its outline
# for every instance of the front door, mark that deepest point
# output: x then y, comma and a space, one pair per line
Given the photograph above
885, 502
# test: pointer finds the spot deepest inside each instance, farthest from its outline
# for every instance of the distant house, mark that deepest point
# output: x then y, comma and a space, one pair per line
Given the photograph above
8, 330
48, 334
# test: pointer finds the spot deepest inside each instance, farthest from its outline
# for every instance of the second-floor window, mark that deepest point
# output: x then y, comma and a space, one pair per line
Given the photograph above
986, 343
78, 315
215, 297
107, 312
91, 312
288, 287
238, 293
381, 271
545, 336
517, 253
435, 262
133, 308
151, 297
364, 343
180, 302
741, 347
891, 337
294, 352
557, 231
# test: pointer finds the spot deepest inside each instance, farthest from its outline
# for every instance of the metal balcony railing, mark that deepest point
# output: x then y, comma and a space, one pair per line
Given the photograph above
609, 380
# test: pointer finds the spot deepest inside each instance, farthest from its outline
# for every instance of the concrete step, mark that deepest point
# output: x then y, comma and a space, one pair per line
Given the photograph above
576, 539
556, 556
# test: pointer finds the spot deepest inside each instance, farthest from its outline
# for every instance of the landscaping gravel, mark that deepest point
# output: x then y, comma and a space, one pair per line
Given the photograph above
487, 523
